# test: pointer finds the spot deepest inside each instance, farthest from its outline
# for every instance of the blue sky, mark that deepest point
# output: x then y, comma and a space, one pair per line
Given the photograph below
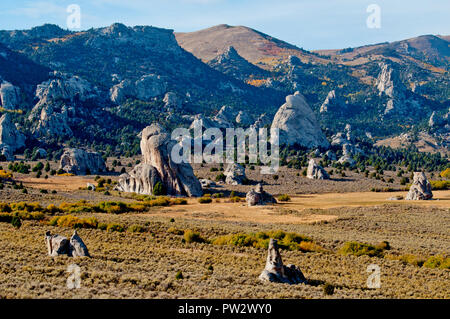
311, 24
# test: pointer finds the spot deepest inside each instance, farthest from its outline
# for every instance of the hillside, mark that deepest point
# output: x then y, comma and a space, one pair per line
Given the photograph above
107, 56
254, 46
65, 84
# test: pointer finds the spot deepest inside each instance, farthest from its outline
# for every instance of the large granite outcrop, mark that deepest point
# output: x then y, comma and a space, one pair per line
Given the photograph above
60, 105
80, 162
145, 88
59, 245
298, 124
332, 104
9, 95
142, 179
10, 137
177, 178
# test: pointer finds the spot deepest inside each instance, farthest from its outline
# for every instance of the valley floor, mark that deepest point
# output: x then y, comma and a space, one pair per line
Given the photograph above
145, 265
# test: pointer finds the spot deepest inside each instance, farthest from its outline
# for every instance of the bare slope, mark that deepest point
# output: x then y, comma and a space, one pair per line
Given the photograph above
252, 45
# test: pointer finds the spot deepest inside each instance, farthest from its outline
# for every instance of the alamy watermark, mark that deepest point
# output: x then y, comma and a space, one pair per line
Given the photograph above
241, 146
74, 18
374, 19
374, 279
74, 279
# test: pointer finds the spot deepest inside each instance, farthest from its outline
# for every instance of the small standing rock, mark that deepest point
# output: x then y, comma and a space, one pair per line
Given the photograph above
235, 174
57, 245
60, 245
316, 171
78, 248
258, 196
275, 271
420, 188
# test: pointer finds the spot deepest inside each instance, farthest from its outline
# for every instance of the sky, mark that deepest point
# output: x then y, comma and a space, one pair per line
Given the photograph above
309, 24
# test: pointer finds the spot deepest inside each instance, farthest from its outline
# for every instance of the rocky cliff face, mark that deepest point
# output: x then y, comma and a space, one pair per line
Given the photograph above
80, 162
332, 104
60, 105
298, 124
157, 165
10, 138
231, 63
145, 88
400, 102
9, 95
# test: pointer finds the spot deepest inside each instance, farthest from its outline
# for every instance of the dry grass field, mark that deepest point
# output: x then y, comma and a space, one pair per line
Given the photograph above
145, 263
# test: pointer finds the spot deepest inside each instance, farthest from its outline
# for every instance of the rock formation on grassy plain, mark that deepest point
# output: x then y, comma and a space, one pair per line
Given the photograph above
141, 179
235, 174
60, 245
315, 171
258, 196
10, 137
80, 162
298, 124
77, 246
157, 165
420, 188
275, 271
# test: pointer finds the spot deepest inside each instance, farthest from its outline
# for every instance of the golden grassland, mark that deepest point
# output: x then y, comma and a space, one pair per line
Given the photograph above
140, 256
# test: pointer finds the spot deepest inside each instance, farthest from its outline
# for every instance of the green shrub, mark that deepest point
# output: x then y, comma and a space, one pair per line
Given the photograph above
136, 229
287, 241
445, 173
175, 231
360, 249
113, 207
284, 198
159, 189
115, 227
160, 201
102, 226
438, 261
5, 217
178, 201
192, 237
4, 207
440, 185
205, 200
16, 222
328, 289
73, 222
235, 199
220, 177
179, 275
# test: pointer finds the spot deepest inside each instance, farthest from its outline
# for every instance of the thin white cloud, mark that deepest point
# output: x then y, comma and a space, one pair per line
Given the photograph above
40, 9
